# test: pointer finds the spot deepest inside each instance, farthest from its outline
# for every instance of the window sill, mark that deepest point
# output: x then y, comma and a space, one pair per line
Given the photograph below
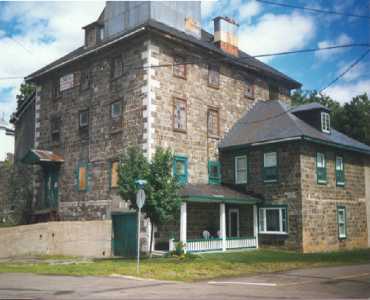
322, 182
270, 181
273, 233
216, 87
179, 130
341, 184
342, 238
249, 97
179, 76
211, 136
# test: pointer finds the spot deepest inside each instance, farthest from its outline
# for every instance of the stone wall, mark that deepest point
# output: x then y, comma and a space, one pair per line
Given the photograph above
4, 203
229, 99
90, 239
285, 191
320, 201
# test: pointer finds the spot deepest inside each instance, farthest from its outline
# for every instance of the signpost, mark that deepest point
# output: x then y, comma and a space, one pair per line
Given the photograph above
140, 201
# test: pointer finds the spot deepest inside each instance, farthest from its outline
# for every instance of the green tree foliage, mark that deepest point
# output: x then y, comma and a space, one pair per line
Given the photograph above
25, 90
352, 118
162, 200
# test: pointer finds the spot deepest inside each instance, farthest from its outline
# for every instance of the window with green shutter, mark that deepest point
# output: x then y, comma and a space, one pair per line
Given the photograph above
214, 172
270, 168
180, 169
339, 171
321, 168
342, 222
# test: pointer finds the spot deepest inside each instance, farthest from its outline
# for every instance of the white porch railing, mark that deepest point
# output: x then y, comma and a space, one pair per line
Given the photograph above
203, 245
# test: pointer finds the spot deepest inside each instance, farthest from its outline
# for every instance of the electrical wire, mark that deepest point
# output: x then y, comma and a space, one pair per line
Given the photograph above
311, 9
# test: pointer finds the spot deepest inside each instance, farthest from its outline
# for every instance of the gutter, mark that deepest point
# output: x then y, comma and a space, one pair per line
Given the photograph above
303, 138
30, 77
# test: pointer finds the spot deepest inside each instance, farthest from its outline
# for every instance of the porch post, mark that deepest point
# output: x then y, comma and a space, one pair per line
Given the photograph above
223, 225
183, 223
255, 222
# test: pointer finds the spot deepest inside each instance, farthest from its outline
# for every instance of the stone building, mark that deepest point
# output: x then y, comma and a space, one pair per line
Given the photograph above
150, 79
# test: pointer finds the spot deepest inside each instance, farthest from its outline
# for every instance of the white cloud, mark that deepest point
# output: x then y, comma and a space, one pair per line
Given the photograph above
346, 91
248, 10
48, 30
275, 33
208, 6
361, 69
342, 39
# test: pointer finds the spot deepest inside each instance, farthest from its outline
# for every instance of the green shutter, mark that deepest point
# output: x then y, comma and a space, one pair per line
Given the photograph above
214, 178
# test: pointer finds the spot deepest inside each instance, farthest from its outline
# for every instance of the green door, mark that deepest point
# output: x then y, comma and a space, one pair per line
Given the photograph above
51, 187
124, 234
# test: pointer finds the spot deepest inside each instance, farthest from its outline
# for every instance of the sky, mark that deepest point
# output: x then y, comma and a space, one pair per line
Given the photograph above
33, 34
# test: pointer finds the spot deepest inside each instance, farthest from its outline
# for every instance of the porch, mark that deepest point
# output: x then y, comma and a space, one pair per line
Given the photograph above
216, 218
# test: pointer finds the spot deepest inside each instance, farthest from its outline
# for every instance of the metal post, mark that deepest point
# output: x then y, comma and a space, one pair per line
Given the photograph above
138, 241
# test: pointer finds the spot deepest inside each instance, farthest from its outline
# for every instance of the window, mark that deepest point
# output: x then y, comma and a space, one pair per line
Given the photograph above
179, 115
320, 168
179, 68
270, 169
116, 109
101, 33
213, 122
55, 124
84, 118
339, 170
214, 172
85, 80
82, 177
241, 171
273, 92
213, 76
114, 174
325, 122
342, 222
57, 92
180, 169
117, 68
249, 89
273, 220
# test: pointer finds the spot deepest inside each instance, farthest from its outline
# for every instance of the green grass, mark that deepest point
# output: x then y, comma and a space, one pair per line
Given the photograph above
195, 267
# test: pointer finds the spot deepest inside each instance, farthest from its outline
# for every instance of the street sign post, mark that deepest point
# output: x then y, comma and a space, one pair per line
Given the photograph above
140, 201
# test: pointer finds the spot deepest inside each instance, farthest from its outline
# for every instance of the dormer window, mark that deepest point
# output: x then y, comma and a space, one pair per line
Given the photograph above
325, 122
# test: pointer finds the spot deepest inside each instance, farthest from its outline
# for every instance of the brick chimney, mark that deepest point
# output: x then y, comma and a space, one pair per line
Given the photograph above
226, 35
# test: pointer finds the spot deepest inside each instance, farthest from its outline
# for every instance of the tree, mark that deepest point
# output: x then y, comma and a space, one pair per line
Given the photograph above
25, 90
162, 200
352, 119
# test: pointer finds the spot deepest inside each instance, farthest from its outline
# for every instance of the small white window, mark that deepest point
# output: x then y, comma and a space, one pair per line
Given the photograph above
325, 122
269, 159
241, 173
342, 230
273, 220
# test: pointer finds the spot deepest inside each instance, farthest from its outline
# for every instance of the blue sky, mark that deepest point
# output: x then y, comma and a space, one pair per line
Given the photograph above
44, 31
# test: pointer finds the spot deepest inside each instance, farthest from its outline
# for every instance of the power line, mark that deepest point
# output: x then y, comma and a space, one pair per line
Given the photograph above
316, 10
131, 67
351, 66
20, 44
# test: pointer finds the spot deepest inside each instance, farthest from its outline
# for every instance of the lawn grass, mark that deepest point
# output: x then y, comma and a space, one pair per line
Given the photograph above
196, 267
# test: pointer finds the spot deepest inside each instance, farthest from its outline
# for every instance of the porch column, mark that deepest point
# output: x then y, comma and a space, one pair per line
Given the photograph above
223, 225
183, 224
255, 222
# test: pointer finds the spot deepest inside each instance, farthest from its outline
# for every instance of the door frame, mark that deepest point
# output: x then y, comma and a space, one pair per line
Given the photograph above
234, 210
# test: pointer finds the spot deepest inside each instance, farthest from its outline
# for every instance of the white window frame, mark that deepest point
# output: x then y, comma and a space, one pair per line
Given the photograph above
262, 224
234, 210
237, 180
344, 222
274, 166
325, 122
341, 168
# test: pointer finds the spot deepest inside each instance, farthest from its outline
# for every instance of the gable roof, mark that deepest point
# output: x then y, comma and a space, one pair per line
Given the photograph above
206, 42
309, 106
273, 121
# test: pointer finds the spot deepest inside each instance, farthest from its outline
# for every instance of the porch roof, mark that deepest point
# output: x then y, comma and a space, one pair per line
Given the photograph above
41, 156
211, 193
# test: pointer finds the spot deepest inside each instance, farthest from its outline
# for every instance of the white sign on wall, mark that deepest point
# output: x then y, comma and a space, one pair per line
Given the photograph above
66, 82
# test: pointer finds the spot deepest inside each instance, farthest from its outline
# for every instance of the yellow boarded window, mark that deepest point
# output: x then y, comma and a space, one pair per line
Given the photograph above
82, 178
114, 175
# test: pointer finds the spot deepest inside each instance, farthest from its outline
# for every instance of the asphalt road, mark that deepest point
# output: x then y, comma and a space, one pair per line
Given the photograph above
336, 282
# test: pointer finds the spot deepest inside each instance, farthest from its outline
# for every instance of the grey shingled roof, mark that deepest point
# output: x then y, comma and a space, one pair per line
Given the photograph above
206, 41
272, 120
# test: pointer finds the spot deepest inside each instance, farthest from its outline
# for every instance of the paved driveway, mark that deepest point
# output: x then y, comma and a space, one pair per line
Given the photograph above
335, 282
